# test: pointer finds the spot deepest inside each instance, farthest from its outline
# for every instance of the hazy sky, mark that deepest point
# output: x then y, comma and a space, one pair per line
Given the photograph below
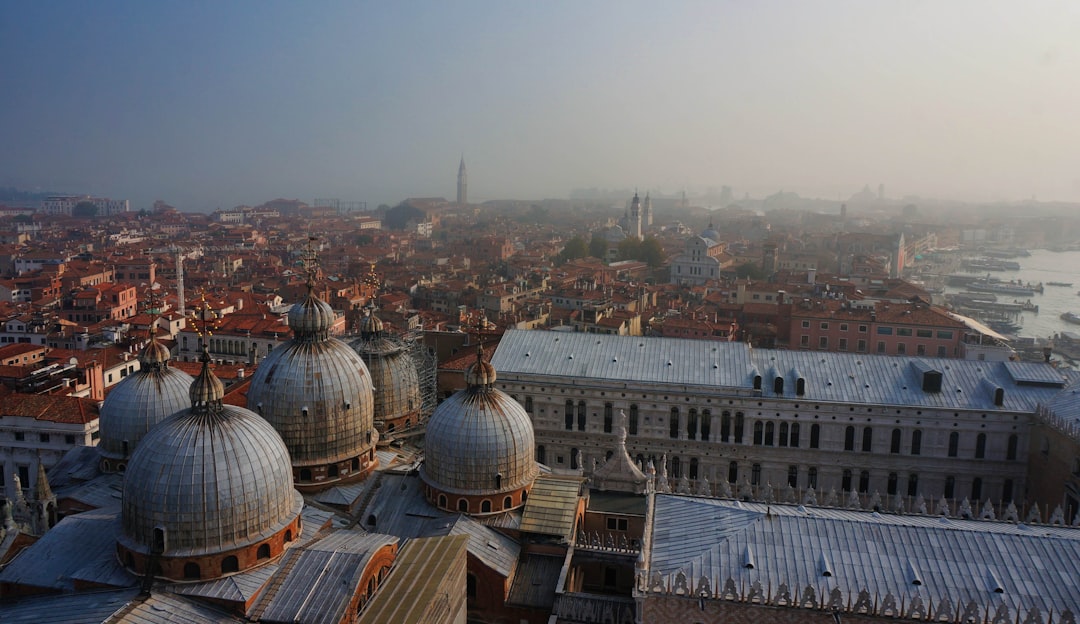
208, 104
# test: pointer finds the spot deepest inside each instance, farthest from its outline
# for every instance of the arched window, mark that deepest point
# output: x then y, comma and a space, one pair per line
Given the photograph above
867, 440
976, 488
372, 520
191, 570
894, 442
725, 426
541, 454
913, 484
693, 468
1010, 451
916, 442
894, 480
332, 471
755, 474
263, 552
778, 385
463, 505
794, 440
864, 482
950, 487
288, 536
845, 481
954, 444
739, 422
800, 386
508, 502
849, 438
980, 446
485, 506
733, 472
573, 459
759, 433
608, 417
783, 434
793, 476
442, 501
811, 478
769, 428
633, 424
676, 467
673, 424
581, 415
706, 424
305, 474
498, 481
159, 540
815, 436
569, 415
230, 564
691, 424
757, 382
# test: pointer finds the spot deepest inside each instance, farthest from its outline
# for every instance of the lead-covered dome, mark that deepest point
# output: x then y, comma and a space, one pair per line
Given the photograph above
208, 492
397, 397
317, 393
138, 402
479, 449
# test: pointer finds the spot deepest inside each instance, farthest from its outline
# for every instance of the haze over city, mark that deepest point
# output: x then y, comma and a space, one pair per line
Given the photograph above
209, 105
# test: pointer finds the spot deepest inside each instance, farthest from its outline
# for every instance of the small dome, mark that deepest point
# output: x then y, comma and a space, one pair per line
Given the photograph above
140, 401
208, 480
312, 317
479, 441
395, 379
370, 325
480, 374
710, 233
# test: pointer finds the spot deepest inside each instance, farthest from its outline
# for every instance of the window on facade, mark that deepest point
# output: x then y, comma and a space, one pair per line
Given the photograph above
950, 487
794, 440
633, 425
733, 472
912, 484
842, 345
815, 436
693, 469
824, 326
806, 324
691, 424
1010, 450
894, 442
804, 341
811, 478
541, 454
823, 342
783, 434
976, 488
881, 346
954, 444
944, 334
901, 349
892, 484
569, 415
980, 446
867, 440
845, 481
793, 476
573, 459
755, 474
529, 404
885, 331
916, 442
739, 422
903, 331
676, 467
861, 348
942, 351
706, 424
20, 436
673, 424
920, 349
1007, 490
581, 416
864, 482
759, 433
43, 437
608, 417
849, 438
924, 333
725, 426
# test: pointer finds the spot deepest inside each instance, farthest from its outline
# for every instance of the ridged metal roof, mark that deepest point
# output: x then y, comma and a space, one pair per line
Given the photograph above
140, 401
475, 435
411, 593
828, 377
551, 506
318, 396
491, 548
962, 560
214, 480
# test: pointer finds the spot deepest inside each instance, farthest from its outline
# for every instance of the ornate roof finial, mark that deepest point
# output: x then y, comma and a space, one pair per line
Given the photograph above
480, 374
203, 318
207, 390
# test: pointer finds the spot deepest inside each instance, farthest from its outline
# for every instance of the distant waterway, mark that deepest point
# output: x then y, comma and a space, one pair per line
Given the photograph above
1044, 266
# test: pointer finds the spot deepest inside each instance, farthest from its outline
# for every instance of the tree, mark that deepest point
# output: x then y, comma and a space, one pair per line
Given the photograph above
575, 248
84, 209
749, 270
598, 247
652, 252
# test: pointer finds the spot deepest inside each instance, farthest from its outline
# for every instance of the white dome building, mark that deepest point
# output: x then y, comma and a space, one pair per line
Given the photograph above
209, 492
142, 400
397, 397
479, 450
317, 393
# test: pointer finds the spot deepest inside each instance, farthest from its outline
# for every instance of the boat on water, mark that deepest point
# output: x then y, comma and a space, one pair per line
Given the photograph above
1066, 284
1024, 290
1071, 317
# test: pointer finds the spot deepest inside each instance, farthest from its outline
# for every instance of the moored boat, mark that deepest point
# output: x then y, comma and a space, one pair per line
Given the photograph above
1071, 317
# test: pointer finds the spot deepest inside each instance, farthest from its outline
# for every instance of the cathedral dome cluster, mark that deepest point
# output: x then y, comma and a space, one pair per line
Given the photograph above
208, 492
317, 393
479, 449
139, 402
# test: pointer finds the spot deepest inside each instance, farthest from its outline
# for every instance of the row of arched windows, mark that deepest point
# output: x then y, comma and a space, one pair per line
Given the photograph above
486, 506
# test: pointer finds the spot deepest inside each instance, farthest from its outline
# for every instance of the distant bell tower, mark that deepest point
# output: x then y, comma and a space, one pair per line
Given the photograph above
462, 183
634, 230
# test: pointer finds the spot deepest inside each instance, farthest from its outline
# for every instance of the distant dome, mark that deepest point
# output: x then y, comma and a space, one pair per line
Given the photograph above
140, 401
209, 491
710, 233
479, 446
396, 394
317, 393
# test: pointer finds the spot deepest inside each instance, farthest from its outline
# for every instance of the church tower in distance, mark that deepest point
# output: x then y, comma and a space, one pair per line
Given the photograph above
462, 183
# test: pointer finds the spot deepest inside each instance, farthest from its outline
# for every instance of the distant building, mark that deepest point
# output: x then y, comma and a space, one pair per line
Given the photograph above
462, 184
65, 204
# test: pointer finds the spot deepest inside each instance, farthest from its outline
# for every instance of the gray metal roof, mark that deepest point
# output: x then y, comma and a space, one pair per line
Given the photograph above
493, 549
102, 492
79, 463
552, 506
829, 377
136, 404
399, 507
415, 590
534, 584
95, 606
237, 588
80, 547
849, 551
321, 578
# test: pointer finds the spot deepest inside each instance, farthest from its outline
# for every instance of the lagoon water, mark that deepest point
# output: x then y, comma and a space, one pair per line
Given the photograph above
1046, 266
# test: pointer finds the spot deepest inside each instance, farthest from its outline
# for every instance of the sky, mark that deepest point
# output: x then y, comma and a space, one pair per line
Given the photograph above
215, 104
